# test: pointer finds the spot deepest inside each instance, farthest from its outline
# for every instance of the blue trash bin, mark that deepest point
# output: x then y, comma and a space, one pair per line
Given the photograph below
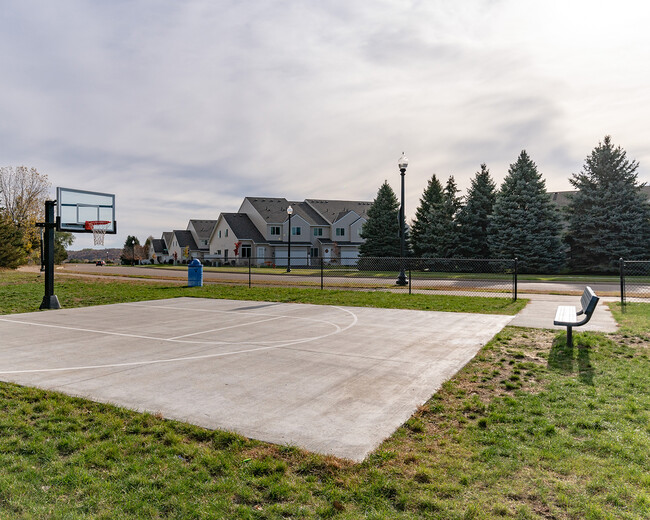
195, 274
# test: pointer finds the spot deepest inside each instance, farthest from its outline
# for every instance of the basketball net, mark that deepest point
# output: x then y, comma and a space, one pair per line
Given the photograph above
99, 229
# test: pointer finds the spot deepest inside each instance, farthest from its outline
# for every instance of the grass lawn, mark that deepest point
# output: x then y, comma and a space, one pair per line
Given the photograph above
530, 429
23, 292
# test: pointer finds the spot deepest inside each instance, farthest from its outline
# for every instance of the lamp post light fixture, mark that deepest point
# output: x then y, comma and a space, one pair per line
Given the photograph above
402, 165
289, 212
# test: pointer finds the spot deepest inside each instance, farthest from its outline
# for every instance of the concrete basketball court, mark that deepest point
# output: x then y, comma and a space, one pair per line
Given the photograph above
333, 380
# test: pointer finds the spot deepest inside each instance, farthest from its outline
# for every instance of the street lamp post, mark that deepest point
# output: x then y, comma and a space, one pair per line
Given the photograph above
289, 212
402, 164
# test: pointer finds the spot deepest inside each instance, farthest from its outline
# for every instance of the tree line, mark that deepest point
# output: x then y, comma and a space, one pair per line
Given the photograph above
607, 218
23, 192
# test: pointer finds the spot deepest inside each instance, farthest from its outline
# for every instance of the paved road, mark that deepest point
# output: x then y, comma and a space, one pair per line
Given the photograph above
528, 287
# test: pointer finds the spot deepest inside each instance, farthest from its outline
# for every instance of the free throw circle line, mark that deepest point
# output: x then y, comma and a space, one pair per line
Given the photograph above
167, 360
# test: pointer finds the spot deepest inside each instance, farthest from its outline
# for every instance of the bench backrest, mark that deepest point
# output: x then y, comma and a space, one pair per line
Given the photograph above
588, 301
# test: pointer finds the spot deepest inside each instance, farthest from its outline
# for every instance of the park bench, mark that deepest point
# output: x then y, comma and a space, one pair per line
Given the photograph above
566, 315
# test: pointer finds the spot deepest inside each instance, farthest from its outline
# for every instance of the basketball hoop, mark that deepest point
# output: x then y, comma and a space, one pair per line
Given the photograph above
99, 228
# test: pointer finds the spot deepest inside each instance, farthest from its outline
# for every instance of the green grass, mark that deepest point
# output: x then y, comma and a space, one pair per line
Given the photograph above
530, 429
634, 320
24, 293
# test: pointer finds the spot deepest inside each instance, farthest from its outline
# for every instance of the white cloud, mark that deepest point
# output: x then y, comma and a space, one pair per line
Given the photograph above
184, 108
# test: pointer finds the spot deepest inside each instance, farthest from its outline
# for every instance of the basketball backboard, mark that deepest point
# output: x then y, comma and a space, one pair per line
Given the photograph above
75, 208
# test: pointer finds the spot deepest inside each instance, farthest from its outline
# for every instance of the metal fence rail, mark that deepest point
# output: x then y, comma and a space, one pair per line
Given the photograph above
635, 281
490, 277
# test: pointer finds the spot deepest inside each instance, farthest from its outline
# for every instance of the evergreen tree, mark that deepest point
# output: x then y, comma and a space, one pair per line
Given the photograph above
12, 251
381, 230
608, 217
446, 225
474, 217
62, 240
130, 250
525, 224
439, 238
431, 197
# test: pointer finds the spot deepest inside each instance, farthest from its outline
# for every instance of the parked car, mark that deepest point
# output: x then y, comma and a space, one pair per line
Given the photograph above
100, 262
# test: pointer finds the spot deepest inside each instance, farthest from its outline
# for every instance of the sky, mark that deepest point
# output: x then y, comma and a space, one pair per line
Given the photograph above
182, 109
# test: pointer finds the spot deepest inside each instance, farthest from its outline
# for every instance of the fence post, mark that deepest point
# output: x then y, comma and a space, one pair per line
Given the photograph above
410, 278
514, 280
621, 267
321, 273
249, 272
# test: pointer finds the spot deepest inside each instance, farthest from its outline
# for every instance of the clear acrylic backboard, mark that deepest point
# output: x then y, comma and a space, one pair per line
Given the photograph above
77, 207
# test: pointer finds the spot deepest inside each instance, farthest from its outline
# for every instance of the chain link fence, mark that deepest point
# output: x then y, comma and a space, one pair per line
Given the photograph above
490, 277
635, 281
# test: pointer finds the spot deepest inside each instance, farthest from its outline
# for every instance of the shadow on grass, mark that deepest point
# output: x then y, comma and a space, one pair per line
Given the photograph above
569, 360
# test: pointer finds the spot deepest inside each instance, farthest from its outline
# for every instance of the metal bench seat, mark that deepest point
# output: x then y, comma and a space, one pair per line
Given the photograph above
567, 316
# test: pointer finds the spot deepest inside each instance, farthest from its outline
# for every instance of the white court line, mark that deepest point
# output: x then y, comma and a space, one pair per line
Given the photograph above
355, 319
177, 339
223, 328
230, 311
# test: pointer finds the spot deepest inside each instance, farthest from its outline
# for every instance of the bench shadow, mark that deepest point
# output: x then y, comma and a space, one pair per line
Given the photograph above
567, 360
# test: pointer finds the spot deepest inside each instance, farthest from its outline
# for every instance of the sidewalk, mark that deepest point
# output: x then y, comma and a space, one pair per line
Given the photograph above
540, 312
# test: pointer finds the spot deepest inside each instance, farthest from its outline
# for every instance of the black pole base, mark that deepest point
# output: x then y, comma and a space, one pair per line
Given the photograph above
401, 279
50, 302
288, 269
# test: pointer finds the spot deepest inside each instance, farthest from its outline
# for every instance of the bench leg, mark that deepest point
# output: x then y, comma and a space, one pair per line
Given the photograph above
569, 337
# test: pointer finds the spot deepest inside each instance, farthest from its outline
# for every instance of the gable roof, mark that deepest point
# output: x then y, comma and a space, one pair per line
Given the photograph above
185, 239
203, 228
274, 210
334, 210
243, 227
168, 236
159, 246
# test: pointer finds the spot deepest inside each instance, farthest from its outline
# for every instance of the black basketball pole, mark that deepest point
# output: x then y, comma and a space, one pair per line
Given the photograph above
50, 301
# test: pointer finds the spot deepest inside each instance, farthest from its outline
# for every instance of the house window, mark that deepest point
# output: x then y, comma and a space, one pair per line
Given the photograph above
340, 232
318, 231
219, 233
226, 232
246, 251
296, 231
275, 230
314, 252
218, 251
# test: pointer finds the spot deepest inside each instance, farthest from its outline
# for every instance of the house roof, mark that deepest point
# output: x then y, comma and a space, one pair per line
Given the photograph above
167, 236
158, 245
185, 239
243, 227
562, 198
335, 210
274, 210
203, 228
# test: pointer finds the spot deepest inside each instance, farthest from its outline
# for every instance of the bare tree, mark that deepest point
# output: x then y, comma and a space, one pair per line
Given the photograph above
22, 193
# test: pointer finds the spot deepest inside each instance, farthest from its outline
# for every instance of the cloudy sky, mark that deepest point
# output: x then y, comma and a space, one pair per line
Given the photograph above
183, 108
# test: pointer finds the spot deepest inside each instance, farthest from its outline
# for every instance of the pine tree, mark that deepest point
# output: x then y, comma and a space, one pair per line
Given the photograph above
525, 224
608, 217
474, 217
381, 230
440, 236
12, 250
445, 224
431, 197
